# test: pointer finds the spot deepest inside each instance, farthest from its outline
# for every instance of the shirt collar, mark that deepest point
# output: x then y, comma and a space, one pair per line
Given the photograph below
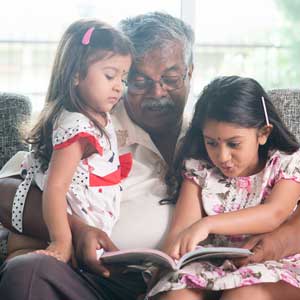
129, 133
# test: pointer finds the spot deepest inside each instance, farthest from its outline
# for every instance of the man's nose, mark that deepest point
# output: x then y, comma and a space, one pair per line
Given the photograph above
158, 90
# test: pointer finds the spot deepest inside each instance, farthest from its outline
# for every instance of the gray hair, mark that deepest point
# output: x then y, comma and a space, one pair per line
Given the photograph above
157, 30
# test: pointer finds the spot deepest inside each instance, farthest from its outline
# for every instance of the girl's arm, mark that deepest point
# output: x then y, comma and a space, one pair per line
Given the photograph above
62, 167
254, 220
283, 241
262, 218
188, 210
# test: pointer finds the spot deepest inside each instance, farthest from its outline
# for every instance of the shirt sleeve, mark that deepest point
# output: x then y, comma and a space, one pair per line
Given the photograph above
289, 167
195, 170
125, 164
71, 127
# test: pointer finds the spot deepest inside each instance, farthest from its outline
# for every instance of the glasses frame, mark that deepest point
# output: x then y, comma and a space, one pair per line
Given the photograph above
151, 83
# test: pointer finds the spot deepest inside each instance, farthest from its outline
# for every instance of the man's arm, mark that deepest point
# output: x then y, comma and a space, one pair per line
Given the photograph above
283, 241
86, 239
33, 223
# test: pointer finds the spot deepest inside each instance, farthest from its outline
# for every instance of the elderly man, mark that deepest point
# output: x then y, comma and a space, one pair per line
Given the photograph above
149, 123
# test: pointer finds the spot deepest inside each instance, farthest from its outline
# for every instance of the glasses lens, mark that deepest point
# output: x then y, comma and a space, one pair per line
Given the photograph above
172, 82
144, 85
139, 86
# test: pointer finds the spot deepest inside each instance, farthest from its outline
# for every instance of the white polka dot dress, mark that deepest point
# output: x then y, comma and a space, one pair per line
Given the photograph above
95, 191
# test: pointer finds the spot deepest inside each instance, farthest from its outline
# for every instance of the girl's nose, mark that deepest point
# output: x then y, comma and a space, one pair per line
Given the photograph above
224, 155
118, 86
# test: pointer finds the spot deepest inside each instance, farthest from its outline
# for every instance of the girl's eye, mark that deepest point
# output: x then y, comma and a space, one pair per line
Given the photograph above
109, 76
211, 143
233, 145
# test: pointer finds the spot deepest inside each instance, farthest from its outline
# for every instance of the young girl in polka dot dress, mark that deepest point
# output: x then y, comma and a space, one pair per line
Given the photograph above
241, 176
78, 169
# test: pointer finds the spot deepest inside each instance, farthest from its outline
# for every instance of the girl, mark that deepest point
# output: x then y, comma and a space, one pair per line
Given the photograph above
81, 162
241, 177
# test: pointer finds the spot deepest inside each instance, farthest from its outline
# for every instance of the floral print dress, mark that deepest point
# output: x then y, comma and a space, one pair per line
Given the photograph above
221, 194
95, 191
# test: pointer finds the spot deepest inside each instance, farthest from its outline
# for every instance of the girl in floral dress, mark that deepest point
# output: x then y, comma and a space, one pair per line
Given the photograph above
241, 177
74, 157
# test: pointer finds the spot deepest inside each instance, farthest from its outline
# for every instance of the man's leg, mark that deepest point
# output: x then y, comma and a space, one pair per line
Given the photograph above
36, 277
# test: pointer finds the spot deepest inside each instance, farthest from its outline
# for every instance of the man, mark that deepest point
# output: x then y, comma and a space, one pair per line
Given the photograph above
149, 122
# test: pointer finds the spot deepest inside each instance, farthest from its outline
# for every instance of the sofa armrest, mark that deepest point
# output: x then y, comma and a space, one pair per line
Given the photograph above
15, 111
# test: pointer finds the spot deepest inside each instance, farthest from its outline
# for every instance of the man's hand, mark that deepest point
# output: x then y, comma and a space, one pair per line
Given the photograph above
282, 242
87, 240
264, 247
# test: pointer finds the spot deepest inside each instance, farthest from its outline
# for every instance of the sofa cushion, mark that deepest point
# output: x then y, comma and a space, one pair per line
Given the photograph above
287, 102
15, 111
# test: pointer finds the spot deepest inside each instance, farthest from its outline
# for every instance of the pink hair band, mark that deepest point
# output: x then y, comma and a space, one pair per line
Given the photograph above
87, 36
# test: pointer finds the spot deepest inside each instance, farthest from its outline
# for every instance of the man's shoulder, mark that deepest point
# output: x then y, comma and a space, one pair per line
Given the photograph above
119, 116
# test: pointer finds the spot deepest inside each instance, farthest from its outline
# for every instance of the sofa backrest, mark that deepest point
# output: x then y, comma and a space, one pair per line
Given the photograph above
287, 102
15, 110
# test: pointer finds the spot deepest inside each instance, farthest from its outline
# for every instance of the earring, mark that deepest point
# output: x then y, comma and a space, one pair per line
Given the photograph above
76, 80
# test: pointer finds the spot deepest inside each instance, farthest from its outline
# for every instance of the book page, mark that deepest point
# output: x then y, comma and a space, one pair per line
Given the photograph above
209, 253
143, 258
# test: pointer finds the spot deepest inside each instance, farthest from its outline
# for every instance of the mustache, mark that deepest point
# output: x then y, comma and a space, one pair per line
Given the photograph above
158, 104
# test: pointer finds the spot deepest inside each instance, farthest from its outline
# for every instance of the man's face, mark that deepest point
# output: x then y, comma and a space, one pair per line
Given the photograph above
157, 109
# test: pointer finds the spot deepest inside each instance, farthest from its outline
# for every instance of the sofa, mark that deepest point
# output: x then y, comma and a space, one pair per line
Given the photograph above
15, 111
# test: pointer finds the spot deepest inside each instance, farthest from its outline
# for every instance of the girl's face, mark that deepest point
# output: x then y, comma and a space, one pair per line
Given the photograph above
102, 87
234, 149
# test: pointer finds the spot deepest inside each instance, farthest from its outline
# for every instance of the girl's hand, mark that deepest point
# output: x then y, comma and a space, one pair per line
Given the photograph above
189, 238
62, 251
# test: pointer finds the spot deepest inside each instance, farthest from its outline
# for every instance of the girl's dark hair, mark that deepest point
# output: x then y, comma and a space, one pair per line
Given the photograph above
236, 100
72, 60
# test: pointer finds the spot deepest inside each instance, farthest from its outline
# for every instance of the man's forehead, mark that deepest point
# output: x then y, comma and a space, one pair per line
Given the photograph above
152, 70
160, 60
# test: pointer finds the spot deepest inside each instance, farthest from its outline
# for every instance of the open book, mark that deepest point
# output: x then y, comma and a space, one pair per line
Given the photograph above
143, 258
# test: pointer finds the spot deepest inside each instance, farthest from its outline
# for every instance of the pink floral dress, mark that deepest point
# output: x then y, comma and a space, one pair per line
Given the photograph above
222, 194
95, 191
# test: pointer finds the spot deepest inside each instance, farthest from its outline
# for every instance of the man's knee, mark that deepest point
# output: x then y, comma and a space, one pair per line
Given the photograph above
24, 269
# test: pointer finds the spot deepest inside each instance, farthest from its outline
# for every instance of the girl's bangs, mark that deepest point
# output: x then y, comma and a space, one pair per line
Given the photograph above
102, 38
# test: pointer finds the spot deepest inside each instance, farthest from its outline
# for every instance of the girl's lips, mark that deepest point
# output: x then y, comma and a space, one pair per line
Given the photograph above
113, 99
226, 166
227, 169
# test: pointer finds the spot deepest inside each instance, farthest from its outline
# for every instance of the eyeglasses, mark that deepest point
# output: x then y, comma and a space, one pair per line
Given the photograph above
142, 85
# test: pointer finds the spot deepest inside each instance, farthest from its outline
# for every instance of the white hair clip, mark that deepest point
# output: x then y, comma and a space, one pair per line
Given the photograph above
265, 110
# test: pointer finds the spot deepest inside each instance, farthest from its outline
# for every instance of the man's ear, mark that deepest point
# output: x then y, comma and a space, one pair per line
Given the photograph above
264, 133
190, 71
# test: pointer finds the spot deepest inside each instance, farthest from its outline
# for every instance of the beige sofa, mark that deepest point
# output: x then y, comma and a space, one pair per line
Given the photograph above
15, 110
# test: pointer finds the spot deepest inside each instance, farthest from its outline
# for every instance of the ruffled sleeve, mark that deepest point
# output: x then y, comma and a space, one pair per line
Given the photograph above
289, 166
195, 170
71, 127
125, 164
